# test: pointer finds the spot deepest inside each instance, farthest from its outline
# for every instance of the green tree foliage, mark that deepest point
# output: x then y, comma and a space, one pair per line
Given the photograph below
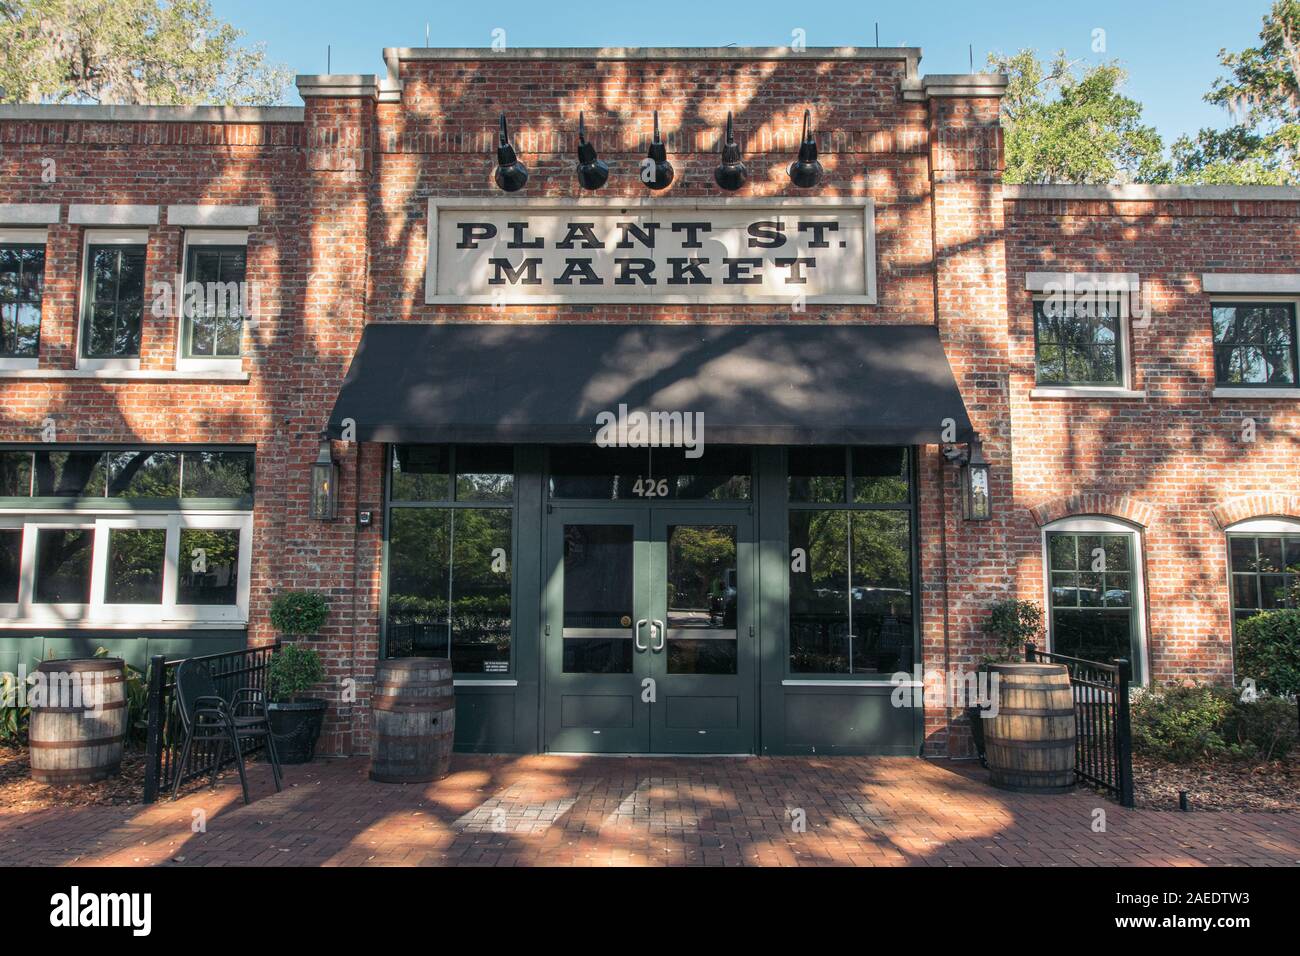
130, 51
1262, 96
1268, 650
295, 613
294, 670
1066, 124
1013, 624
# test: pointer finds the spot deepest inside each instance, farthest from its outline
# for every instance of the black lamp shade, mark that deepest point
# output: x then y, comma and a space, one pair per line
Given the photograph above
656, 171
731, 172
806, 171
511, 174
592, 172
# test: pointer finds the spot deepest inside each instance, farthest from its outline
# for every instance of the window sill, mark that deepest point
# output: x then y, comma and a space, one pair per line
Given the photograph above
128, 375
472, 682
18, 364
1086, 391
1291, 393
16, 624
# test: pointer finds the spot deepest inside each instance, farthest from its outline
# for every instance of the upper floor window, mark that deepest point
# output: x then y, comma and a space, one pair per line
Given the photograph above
214, 305
113, 303
1078, 345
1254, 344
22, 276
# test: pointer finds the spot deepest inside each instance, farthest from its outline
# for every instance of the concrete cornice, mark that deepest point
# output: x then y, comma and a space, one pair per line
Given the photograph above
1135, 193
49, 112
954, 84
909, 54
337, 84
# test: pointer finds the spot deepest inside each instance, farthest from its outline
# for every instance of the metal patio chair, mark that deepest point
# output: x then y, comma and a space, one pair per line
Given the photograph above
207, 717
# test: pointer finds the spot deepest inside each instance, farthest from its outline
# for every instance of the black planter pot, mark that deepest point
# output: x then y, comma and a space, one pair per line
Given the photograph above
296, 727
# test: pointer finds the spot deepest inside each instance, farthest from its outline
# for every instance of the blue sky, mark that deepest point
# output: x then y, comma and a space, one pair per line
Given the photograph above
1169, 48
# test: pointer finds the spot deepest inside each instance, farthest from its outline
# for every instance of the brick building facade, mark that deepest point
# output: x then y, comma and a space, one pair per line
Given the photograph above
327, 210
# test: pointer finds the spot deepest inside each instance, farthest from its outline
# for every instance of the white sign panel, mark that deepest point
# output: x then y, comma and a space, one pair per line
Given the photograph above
773, 251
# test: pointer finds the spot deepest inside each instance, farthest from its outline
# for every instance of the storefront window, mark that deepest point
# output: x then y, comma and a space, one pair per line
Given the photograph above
450, 558
851, 602
144, 536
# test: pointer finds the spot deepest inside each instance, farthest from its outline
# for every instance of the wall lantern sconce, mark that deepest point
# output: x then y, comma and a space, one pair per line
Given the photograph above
325, 482
592, 172
976, 502
656, 171
806, 171
511, 173
731, 172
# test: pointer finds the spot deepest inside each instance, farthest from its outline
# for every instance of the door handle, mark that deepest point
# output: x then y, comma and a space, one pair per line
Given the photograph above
636, 637
658, 630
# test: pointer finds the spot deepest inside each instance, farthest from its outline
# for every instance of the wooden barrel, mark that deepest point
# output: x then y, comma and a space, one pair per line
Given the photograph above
78, 723
1030, 743
414, 720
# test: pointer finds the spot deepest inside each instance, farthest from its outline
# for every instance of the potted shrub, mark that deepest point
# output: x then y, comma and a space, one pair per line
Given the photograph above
1011, 624
296, 719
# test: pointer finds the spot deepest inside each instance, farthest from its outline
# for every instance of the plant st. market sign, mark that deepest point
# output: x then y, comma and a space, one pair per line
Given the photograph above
773, 251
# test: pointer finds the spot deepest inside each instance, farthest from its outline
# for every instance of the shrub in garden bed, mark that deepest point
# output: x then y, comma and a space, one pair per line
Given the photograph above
1186, 724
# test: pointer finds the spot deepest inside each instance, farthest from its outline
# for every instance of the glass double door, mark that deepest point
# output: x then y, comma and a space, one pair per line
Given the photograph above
648, 630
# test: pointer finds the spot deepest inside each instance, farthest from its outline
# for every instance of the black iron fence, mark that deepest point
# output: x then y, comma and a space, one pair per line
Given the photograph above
166, 735
1103, 753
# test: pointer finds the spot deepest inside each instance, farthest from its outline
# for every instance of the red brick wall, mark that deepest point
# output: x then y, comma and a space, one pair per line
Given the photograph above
1168, 461
342, 240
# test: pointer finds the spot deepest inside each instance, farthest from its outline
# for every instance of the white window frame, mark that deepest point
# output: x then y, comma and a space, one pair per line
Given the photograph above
1255, 391
1097, 524
1122, 389
109, 237
31, 237
27, 613
207, 237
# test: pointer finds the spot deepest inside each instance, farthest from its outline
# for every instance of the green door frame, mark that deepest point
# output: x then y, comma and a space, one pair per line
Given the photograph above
677, 713
703, 713
586, 712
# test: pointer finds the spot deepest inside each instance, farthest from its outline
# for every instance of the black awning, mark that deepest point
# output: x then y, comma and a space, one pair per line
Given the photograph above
754, 384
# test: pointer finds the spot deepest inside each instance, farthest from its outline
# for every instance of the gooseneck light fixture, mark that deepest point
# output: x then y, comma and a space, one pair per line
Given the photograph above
511, 173
656, 171
731, 172
592, 172
806, 171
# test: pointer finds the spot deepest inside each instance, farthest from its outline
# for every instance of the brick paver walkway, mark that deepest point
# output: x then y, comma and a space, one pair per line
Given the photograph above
512, 811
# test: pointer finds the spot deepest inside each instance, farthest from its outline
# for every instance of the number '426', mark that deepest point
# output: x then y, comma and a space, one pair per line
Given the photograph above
649, 488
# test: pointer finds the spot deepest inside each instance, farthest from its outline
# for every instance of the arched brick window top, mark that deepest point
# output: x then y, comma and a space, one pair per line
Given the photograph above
1262, 504
1133, 510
